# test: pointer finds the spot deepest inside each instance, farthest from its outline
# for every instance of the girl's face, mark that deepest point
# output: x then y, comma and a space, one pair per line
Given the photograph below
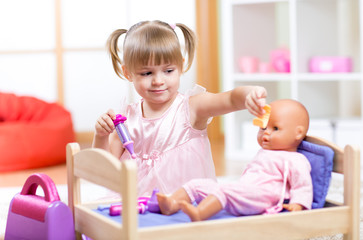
156, 84
281, 132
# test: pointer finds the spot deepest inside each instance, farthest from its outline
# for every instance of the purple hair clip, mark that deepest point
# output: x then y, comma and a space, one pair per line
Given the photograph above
172, 25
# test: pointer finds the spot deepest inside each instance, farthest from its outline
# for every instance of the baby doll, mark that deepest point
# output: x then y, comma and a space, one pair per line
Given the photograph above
277, 172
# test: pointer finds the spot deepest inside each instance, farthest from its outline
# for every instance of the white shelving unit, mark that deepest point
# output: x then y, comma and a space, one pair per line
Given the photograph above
306, 28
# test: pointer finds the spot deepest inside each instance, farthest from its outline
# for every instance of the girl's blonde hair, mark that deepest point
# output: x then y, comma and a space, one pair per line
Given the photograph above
152, 42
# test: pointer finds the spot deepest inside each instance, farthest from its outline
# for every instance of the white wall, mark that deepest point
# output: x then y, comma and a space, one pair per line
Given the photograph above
30, 27
27, 43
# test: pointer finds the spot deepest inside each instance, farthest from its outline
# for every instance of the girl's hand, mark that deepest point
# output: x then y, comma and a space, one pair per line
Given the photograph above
256, 100
104, 125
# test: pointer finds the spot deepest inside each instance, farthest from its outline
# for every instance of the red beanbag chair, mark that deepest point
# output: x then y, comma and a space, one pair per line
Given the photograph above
33, 133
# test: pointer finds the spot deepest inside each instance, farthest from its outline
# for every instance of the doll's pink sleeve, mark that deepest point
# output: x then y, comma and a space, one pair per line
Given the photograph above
301, 189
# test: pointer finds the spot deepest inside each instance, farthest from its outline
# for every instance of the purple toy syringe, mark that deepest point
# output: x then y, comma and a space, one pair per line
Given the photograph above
123, 134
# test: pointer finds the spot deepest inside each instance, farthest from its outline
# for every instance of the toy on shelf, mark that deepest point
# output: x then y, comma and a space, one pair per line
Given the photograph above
35, 217
330, 64
248, 64
265, 67
280, 60
124, 135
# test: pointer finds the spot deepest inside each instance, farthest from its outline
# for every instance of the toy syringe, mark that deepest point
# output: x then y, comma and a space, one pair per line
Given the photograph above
124, 135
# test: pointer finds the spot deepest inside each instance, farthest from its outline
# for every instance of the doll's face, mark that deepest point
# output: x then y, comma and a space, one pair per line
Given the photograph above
286, 128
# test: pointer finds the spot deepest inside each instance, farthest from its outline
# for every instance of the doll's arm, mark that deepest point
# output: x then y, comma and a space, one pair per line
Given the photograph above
292, 207
301, 188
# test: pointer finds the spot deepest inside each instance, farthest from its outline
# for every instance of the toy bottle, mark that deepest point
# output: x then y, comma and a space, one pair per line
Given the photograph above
124, 135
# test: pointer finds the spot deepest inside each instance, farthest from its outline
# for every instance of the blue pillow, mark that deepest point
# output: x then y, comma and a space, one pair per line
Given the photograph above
321, 161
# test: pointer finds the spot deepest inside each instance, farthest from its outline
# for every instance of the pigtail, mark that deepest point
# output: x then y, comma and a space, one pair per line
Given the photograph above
113, 50
190, 43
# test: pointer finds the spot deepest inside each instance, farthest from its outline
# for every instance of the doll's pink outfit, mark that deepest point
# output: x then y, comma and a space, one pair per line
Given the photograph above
261, 186
170, 152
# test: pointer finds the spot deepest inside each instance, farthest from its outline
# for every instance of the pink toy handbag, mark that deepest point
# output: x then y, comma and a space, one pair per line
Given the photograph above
35, 217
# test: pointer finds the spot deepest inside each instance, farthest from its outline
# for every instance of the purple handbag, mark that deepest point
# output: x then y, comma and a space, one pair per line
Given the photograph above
35, 217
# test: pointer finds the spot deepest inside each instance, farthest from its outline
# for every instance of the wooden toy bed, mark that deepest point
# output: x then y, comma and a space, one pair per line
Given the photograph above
100, 167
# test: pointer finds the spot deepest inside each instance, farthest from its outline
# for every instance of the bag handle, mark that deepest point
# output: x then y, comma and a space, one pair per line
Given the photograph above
43, 180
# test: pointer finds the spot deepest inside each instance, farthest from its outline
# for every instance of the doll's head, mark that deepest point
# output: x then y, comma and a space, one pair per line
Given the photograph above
150, 43
286, 128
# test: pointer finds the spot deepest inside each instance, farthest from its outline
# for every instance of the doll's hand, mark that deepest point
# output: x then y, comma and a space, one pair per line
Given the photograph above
256, 100
292, 207
104, 125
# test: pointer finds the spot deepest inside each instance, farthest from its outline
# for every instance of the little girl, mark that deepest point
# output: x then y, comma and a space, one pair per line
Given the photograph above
169, 129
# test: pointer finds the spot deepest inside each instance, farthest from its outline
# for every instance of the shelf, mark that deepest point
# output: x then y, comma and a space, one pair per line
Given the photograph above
329, 77
241, 2
265, 77
252, 29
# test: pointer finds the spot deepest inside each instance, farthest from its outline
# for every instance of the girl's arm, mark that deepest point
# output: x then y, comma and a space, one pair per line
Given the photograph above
105, 135
110, 143
116, 147
207, 104
100, 142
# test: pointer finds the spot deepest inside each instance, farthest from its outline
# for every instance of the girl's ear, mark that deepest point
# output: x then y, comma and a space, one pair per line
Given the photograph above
126, 73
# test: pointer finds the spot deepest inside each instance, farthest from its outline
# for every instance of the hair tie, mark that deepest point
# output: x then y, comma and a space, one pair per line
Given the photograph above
172, 25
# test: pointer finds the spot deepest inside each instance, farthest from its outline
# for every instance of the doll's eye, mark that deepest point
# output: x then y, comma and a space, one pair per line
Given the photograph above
276, 128
263, 129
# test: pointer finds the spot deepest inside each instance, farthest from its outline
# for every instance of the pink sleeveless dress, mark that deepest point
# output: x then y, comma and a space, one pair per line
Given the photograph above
169, 151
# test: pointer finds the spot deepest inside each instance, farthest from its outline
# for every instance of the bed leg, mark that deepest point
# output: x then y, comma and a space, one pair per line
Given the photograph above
73, 183
352, 190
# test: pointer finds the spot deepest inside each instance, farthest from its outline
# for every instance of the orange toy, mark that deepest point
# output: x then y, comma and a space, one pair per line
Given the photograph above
262, 121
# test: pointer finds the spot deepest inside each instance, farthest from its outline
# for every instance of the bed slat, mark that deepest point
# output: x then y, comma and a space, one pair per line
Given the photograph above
91, 218
91, 165
306, 224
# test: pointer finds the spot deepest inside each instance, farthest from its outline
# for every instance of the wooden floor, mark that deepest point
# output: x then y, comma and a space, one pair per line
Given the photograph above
59, 172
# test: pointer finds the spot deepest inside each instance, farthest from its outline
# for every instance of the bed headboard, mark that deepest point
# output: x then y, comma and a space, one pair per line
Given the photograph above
104, 169
346, 162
